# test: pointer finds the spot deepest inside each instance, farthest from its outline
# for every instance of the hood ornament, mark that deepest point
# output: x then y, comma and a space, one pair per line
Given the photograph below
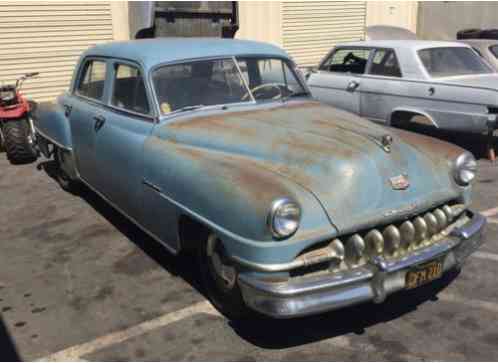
387, 141
399, 182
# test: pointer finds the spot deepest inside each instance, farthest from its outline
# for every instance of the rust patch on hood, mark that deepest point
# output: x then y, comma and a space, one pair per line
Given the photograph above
433, 148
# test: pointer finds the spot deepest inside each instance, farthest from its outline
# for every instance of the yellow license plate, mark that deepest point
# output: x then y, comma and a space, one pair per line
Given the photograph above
424, 274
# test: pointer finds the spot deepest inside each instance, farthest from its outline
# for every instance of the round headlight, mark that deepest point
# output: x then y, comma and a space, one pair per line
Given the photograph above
465, 169
284, 217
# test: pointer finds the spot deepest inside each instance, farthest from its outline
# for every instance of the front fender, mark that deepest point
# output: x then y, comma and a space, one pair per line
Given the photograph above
52, 124
231, 194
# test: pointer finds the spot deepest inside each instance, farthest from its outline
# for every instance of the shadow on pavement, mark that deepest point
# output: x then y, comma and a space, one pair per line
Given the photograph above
279, 334
8, 351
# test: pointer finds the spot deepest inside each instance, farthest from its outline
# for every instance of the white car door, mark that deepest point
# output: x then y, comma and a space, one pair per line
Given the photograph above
338, 80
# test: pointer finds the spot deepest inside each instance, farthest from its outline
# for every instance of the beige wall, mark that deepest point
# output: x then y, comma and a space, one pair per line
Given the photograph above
440, 20
395, 13
119, 13
260, 20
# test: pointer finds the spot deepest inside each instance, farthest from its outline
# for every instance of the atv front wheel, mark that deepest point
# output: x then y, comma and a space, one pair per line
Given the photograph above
19, 142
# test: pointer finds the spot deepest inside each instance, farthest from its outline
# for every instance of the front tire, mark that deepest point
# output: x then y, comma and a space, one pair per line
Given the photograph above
219, 278
19, 142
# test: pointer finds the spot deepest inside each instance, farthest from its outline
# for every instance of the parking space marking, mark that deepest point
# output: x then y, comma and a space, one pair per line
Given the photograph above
485, 255
75, 353
490, 212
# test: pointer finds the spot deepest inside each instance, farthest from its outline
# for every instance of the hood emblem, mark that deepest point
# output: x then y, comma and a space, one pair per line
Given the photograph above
387, 141
400, 182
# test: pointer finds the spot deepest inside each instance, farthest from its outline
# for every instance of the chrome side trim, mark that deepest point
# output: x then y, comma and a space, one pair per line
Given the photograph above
131, 219
53, 141
152, 186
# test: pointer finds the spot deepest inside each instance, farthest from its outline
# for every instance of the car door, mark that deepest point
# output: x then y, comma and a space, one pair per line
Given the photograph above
82, 110
120, 136
339, 78
382, 86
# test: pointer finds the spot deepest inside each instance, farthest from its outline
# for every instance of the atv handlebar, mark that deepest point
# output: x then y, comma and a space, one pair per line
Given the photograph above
23, 78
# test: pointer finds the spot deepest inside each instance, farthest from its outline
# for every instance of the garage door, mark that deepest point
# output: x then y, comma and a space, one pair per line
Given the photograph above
48, 37
310, 28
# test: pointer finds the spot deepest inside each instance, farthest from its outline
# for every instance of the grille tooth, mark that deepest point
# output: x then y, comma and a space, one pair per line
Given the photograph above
442, 221
392, 239
338, 249
374, 242
355, 248
432, 225
407, 231
449, 212
420, 229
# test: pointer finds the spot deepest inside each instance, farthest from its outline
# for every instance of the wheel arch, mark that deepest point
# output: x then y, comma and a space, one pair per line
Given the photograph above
402, 115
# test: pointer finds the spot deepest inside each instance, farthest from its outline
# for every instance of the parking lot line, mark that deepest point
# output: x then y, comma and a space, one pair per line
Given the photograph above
490, 212
75, 353
493, 220
485, 255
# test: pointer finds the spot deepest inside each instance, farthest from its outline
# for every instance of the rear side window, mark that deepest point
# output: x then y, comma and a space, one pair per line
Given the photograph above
129, 89
347, 61
385, 63
494, 50
91, 83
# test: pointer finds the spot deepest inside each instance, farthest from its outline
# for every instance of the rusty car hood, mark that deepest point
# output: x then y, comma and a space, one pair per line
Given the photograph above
333, 154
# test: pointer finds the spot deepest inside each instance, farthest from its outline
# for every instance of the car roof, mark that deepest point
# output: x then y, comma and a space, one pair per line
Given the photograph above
483, 42
402, 44
151, 52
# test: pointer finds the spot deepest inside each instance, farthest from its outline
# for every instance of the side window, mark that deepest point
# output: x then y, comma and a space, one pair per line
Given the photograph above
347, 61
128, 91
385, 63
91, 83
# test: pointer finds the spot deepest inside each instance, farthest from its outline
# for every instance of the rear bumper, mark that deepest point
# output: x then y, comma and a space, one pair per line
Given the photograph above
381, 278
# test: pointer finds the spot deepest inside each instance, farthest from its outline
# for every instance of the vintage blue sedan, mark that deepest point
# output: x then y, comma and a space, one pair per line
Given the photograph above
293, 207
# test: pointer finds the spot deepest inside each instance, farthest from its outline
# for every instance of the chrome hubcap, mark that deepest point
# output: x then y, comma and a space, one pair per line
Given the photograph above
222, 272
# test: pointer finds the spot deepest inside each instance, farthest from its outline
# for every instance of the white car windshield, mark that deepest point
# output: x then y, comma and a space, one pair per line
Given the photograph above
452, 61
192, 85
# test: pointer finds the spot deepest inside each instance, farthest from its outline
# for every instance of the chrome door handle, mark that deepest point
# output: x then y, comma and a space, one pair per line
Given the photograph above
67, 110
352, 86
99, 122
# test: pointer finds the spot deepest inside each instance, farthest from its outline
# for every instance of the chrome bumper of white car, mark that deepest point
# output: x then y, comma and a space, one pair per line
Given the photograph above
316, 294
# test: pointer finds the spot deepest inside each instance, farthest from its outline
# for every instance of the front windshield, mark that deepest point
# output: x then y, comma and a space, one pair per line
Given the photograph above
220, 81
452, 61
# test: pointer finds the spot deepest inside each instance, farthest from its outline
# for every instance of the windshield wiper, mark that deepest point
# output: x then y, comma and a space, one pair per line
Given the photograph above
186, 108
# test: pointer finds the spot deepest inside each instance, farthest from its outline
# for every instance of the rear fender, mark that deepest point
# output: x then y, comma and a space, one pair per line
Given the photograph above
51, 124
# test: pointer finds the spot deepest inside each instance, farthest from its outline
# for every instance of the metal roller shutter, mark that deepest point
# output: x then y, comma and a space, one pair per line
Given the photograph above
48, 37
310, 29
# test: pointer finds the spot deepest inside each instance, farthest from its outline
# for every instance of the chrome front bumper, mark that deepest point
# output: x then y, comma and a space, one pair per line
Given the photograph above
315, 294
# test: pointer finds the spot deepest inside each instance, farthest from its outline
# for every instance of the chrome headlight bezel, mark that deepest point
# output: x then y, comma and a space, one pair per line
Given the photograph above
284, 218
464, 169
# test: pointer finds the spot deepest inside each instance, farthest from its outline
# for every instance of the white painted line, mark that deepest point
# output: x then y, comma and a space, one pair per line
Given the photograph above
474, 304
490, 212
485, 255
75, 353
492, 220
